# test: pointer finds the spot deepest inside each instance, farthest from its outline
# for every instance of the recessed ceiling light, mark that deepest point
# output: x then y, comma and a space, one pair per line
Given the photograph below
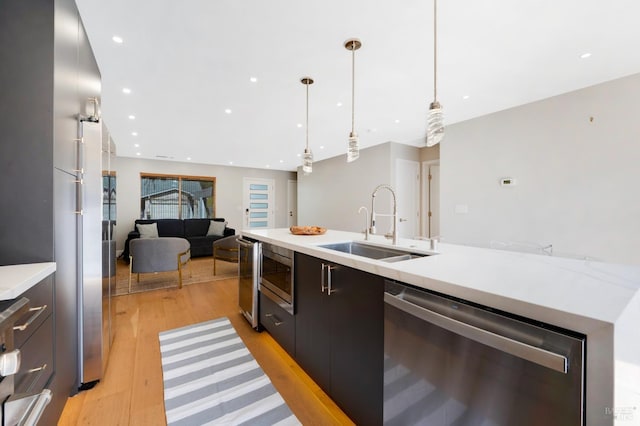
137, 153
134, 133
281, 161
188, 158
339, 104
465, 97
126, 90
585, 55
299, 155
228, 111
230, 162
321, 146
253, 79
132, 117
136, 145
267, 166
299, 125
117, 39
396, 121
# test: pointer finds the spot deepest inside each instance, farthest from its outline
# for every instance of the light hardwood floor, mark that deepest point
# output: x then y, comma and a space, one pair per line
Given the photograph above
131, 391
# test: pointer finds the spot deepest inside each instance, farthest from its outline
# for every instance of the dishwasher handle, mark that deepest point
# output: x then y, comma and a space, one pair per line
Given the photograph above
522, 350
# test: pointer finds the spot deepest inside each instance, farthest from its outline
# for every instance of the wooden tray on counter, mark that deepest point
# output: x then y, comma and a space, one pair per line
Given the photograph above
307, 230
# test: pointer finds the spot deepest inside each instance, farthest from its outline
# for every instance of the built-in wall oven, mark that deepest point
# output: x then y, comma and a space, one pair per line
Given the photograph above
276, 277
17, 408
451, 362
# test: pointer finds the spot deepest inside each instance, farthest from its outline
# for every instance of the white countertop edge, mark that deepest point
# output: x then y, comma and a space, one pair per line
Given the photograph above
609, 288
16, 279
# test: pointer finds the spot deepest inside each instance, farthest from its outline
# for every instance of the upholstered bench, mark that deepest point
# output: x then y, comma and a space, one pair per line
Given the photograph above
158, 255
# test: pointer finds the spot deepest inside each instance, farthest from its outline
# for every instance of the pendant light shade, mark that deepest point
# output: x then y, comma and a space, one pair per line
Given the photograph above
353, 150
435, 122
307, 157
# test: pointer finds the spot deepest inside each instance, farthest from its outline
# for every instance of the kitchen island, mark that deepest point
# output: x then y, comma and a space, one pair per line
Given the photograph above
599, 300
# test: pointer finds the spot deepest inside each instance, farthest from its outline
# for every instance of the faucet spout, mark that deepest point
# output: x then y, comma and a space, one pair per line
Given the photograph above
395, 211
366, 225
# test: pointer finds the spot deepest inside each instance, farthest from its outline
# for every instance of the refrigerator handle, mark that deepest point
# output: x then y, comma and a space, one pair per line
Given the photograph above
79, 171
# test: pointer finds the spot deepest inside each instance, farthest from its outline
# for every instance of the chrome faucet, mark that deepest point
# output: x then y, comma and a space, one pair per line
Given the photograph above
366, 218
372, 230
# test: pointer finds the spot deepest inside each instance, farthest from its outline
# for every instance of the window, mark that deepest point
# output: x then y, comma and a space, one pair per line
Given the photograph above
177, 197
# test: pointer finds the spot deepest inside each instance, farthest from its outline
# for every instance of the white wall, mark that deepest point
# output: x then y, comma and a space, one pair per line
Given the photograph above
228, 189
577, 177
331, 195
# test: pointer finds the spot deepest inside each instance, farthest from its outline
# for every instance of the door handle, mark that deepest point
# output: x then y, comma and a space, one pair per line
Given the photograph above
38, 311
322, 278
274, 319
327, 274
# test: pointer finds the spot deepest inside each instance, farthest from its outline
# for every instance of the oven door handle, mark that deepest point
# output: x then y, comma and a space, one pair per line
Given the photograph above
518, 349
26, 409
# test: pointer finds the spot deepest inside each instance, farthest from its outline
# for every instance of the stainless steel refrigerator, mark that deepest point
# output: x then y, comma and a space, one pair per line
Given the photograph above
93, 295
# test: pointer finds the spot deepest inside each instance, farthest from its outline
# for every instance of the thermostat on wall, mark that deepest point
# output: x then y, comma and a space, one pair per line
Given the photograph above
507, 182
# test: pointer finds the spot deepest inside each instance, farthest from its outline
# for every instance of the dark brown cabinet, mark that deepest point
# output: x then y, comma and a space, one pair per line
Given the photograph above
339, 334
279, 323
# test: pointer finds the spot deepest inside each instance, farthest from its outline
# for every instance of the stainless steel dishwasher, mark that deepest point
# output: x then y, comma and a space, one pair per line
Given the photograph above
451, 362
249, 256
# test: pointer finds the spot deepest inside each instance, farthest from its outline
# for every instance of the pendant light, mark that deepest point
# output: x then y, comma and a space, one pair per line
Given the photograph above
435, 123
307, 157
353, 151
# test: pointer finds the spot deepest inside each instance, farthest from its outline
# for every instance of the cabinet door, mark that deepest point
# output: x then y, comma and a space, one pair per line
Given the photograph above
312, 326
357, 346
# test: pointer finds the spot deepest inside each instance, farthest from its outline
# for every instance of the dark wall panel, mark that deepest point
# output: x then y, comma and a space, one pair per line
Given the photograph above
26, 131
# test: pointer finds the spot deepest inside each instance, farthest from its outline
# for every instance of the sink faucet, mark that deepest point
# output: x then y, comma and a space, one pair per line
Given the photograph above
394, 215
366, 224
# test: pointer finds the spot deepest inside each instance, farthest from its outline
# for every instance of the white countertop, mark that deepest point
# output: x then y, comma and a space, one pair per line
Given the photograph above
16, 279
597, 299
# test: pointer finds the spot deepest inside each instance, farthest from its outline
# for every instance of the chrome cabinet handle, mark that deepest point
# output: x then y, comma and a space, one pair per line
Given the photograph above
518, 349
329, 283
40, 370
322, 277
274, 319
38, 311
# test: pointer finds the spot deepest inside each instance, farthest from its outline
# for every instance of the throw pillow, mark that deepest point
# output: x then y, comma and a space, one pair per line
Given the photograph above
148, 231
216, 228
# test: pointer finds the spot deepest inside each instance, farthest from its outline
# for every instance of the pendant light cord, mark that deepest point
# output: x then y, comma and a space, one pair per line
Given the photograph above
353, 88
435, 51
307, 84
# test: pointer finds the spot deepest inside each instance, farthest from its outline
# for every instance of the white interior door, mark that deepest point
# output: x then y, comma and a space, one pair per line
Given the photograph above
292, 203
259, 203
431, 201
408, 196
434, 200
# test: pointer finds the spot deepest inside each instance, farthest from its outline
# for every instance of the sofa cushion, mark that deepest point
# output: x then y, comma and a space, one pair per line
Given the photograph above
148, 231
216, 228
166, 227
198, 227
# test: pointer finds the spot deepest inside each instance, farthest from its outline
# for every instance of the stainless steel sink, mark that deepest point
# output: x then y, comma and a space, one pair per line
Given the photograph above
373, 252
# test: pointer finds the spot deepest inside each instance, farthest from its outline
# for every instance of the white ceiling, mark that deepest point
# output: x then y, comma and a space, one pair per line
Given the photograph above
187, 61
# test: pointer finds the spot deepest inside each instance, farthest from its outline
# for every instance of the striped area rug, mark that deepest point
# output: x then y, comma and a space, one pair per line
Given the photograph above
211, 378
